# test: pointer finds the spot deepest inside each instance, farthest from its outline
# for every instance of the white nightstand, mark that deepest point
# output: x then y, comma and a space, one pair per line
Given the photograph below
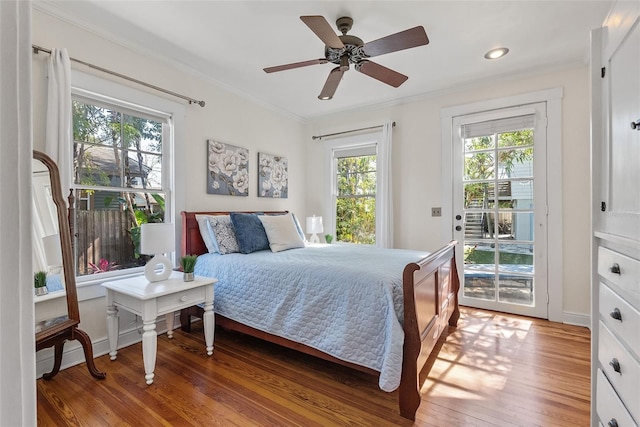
152, 299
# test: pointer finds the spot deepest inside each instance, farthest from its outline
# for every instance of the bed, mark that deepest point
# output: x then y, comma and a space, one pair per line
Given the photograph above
385, 318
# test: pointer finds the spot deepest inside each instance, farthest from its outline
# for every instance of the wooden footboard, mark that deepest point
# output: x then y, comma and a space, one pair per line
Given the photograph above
430, 304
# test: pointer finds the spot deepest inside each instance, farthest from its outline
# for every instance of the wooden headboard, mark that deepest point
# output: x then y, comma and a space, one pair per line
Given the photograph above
191, 241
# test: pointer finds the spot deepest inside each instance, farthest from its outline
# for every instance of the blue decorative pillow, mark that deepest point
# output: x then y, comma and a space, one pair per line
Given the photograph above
249, 232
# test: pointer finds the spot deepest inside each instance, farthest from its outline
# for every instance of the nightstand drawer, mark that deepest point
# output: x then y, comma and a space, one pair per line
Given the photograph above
622, 369
620, 317
178, 300
609, 406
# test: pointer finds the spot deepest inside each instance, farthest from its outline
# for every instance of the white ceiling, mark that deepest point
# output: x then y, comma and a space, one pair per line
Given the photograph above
231, 42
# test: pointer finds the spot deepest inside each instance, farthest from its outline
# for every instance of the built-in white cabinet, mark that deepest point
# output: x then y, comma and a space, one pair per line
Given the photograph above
615, 160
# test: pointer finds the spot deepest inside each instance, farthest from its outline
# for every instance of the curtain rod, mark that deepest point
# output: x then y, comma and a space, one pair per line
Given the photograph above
37, 49
349, 131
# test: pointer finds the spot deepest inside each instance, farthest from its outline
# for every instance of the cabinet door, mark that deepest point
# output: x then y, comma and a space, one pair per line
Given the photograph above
621, 59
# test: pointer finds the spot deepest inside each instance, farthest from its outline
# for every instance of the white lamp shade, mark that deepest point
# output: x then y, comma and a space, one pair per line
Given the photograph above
314, 224
52, 250
157, 238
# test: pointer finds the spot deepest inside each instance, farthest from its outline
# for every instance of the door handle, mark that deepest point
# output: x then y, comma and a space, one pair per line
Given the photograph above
458, 228
458, 217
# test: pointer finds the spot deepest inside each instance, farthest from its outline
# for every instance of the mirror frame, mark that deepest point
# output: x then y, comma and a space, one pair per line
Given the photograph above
59, 333
65, 238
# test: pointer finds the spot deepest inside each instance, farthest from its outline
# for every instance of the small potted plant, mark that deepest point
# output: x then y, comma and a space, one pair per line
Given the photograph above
40, 283
188, 263
328, 238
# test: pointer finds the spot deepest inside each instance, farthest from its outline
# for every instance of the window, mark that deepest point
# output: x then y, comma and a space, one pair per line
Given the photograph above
358, 200
121, 179
356, 195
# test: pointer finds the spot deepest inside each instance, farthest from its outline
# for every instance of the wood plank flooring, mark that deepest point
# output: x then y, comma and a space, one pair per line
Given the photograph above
493, 370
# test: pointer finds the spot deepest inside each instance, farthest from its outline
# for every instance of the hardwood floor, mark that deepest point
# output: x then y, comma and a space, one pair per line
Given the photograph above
493, 370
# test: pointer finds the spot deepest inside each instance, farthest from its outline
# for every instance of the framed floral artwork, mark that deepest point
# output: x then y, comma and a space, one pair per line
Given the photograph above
273, 176
227, 169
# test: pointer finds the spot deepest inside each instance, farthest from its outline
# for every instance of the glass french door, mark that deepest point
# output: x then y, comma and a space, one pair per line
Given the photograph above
500, 209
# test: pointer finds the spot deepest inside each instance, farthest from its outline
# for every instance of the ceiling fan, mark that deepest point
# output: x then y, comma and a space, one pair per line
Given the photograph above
347, 49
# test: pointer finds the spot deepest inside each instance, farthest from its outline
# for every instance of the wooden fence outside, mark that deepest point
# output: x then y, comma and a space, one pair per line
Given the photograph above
103, 235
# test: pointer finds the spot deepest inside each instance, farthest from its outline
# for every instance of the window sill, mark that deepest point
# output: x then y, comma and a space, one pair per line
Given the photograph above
90, 287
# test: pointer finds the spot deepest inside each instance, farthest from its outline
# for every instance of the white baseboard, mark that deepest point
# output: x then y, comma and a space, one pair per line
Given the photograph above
73, 354
576, 319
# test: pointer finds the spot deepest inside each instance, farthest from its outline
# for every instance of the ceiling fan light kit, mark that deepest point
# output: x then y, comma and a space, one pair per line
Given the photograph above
346, 50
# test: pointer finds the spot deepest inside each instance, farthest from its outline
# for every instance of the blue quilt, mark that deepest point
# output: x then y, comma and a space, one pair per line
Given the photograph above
345, 300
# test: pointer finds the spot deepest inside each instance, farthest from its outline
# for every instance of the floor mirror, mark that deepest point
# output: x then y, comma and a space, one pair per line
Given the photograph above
53, 266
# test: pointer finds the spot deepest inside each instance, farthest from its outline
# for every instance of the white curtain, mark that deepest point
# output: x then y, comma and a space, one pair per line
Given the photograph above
384, 196
58, 129
17, 345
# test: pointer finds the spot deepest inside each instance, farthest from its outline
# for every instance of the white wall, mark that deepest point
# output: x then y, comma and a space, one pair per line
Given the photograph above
226, 117
417, 172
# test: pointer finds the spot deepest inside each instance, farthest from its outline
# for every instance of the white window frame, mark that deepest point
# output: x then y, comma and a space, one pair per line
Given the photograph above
352, 142
91, 87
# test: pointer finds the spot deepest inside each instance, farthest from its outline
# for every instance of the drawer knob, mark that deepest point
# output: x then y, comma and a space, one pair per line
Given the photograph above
615, 268
612, 423
615, 365
616, 314
183, 298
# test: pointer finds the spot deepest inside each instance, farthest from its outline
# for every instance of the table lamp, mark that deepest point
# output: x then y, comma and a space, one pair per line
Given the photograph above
314, 226
157, 239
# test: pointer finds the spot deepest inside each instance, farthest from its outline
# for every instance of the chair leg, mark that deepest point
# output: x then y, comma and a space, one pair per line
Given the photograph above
84, 339
57, 361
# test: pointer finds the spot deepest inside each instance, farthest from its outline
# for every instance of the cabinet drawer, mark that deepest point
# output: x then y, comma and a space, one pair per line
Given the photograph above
178, 300
609, 406
625, 382
628, 278
627, 327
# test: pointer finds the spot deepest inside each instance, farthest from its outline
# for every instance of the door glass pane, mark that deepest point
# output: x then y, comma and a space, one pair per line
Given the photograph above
515, 288
479, 165
516, 139
476, 195
479, 271
516, 163
515, 277
522, 226
522, 194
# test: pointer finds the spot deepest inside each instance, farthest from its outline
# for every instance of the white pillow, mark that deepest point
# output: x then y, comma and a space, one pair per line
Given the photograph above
207, 234
282, 232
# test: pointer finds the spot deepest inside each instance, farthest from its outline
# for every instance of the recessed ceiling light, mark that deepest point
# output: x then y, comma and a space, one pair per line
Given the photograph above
496, 53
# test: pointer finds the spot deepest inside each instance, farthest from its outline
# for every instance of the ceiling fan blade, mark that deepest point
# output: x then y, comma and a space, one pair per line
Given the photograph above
331, 84
295, 65
323, 30
406, 39
379, 72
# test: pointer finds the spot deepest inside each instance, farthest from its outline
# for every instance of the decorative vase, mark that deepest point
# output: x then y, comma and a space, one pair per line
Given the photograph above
42, 290
187, 277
